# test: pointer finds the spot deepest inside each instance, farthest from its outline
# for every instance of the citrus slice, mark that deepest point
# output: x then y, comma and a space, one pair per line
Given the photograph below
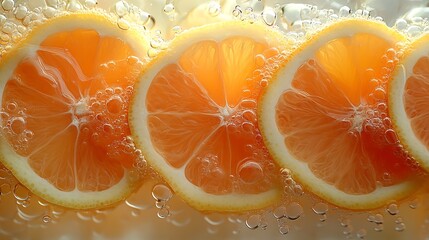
408, 100
193, 115
64, 95
325, 116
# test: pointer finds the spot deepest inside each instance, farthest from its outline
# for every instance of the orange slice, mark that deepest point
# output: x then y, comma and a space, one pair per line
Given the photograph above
409, 101
64, 96
193, 116
325, 116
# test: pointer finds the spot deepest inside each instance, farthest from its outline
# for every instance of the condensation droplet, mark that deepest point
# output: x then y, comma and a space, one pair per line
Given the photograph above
160, 192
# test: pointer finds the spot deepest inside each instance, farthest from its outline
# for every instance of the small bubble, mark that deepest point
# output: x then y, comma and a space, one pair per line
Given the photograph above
280, 212
253, 221
123, 24
263, 82
294, 211
214, 219
21, 12
11, 106
5, 189
392, 209
250, 172
214, 8
378, 218
400, 227
160, 192
20, 192
414, 31
74, 6
115, 104
169, 8
320, 208
237, 11
269, 16
7, 5
46, 219
121, 8
401, 24
18, 125
391, 136
413, 204
90, 3
344, 11
163, 212
379, 227
361, 234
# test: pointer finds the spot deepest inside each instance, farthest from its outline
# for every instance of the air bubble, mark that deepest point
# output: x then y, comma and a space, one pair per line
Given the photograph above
20, 192
4, 189
344, 11
74, 6
269, 16
400, 227
280, 212
253, 221
284, 230
123, 24
361, 234
320, 208
121, 8
413, 204
90, 3
46, 219
214, 8
294, 211
160, 192
391, 136
392, 209
237, 11
401, 24
163, 212
21, 12
7, 5
115, 104
214, 219
17, 125
169, 8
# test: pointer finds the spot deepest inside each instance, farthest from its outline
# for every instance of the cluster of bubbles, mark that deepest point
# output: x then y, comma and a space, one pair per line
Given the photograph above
296, 19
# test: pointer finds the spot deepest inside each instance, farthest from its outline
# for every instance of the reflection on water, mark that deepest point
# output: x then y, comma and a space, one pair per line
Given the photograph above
154, 212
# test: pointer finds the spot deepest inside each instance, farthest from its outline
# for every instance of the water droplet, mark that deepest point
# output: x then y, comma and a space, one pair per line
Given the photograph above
294, 211
7, 5
253, 221
392, 209
320, 208
161, 192
269, 16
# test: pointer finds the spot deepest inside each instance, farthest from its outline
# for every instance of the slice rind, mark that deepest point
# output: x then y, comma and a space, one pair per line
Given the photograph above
343, 93
142, 113
408, 104
19, 165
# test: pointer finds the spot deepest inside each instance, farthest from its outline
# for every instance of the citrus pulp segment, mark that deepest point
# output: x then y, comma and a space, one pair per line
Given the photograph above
325, 116
408, 100
193, 116
64, 91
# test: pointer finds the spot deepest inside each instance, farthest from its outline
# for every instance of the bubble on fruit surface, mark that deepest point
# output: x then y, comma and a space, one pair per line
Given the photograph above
294, 210
392, 209
250, 172
215, 219
160, 192
254, 221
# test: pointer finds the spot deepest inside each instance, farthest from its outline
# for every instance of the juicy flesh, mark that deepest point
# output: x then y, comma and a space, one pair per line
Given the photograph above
334, 116
416, 100
70, 97
202, 117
